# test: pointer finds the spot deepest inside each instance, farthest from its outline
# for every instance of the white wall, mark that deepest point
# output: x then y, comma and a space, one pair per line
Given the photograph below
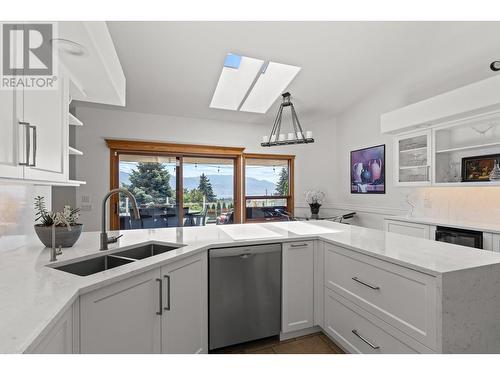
315, 163
17, 215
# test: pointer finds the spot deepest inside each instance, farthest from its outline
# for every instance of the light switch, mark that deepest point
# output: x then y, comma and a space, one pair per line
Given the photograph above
86, 207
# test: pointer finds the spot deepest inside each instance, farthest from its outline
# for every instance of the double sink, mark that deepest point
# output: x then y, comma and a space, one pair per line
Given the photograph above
105, 262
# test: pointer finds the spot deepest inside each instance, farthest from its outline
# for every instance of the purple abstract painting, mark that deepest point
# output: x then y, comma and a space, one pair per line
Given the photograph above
368, 170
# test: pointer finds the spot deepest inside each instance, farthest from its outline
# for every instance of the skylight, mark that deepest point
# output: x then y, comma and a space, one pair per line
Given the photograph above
238, 74
251, 85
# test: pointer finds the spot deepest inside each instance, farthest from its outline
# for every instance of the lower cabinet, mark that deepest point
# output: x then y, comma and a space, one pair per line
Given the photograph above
350, 326
496, 242
185, 306
408, 229
123, 317
298, 286
159, 311
62, 338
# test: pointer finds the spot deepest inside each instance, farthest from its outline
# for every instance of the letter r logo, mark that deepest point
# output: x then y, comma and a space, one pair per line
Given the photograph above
27, 49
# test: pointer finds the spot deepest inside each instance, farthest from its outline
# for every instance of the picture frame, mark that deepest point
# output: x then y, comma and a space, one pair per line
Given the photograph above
368, 170
478, 168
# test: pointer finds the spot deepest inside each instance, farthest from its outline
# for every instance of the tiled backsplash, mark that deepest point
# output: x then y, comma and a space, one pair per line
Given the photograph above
478, 205
16, 213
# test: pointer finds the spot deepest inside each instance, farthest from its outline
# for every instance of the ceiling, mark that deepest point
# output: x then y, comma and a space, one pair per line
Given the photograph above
172, 67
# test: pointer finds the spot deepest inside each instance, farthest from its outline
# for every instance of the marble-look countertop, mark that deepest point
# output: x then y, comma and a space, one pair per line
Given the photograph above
33, 295
483, 227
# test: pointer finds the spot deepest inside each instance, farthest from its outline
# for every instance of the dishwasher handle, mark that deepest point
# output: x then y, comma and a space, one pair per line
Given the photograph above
244, 252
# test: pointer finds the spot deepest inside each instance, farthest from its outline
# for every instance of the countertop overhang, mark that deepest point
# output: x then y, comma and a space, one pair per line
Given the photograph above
34, 295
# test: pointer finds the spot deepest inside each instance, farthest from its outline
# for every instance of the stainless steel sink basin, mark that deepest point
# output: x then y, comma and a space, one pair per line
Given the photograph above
94, 265
106, 262
145, 251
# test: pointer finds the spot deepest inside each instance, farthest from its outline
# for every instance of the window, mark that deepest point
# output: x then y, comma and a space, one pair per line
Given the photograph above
268, 187
175, 184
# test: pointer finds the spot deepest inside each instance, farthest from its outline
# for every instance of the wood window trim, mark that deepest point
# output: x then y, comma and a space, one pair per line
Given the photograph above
291, 188
117, 146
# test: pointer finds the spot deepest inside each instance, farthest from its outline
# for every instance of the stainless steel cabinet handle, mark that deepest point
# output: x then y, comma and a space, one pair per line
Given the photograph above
34, 145
160, 297
373, 346
167, 308
366, 284
27, 140
299, 245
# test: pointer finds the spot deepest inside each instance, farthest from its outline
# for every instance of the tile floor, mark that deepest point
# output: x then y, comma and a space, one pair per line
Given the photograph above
316, 343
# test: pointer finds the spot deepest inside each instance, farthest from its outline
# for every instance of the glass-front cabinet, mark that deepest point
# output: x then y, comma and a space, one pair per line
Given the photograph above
413, 159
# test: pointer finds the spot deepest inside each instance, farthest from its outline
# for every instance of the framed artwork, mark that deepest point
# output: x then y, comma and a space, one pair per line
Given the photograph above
478, 168
368, 170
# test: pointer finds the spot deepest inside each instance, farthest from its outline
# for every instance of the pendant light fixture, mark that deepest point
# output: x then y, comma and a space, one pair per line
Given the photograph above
276, 138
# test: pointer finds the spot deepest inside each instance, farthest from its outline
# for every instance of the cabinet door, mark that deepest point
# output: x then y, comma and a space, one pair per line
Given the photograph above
59, 340
185, 311
298, 286
496, 242
123, 317
11, 146
46, 112
408, 229
412, 157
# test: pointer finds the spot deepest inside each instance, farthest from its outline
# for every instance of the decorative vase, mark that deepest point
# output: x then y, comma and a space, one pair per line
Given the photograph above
375, 168
314, 210
495, 172
64, 237
366, 176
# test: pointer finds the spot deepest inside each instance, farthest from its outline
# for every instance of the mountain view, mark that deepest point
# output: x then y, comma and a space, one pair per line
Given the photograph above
222, 184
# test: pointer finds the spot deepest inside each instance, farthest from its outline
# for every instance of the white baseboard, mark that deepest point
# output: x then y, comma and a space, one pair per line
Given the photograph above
300, 332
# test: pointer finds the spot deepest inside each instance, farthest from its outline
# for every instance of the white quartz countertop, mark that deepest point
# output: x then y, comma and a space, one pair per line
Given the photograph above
483, 227
33, 295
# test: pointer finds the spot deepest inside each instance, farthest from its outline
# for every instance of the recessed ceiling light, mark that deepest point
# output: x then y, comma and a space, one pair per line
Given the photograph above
236, 78
270, 85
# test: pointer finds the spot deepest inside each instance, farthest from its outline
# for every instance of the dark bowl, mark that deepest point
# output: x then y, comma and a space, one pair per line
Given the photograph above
64, 237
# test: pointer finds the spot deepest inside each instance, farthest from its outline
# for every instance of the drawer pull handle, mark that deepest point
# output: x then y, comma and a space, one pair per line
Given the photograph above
366, 284
301, 245
373, 346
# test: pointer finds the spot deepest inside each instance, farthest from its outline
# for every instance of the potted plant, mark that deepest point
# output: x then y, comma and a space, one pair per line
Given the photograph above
67, 230
315, 199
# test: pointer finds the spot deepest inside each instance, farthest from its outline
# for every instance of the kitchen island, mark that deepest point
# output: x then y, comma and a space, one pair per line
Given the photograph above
412, 295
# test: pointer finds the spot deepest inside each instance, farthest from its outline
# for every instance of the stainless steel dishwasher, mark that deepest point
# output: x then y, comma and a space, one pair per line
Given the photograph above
244, 294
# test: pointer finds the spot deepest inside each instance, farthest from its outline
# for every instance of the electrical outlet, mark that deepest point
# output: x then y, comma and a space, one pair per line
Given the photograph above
86, 207
85, 199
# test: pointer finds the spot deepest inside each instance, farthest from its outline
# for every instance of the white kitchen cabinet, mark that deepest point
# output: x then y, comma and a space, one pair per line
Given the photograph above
123, 317
496, 242
412, 159
9, 137
408, 229
62, 337
404, 298
45, 114
298, 286
359, 332
185, 306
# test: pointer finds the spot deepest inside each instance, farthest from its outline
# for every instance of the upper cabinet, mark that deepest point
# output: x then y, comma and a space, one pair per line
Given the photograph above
34, 122
460, 126
88, 52
478, 97
413, 159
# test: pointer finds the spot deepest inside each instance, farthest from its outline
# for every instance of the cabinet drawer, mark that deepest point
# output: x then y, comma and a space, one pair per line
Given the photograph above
359, 332
404, 298
408, 229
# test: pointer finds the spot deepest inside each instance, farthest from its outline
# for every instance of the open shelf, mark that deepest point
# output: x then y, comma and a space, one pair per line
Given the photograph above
74, 121
414, 167
418, 149
74, 151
